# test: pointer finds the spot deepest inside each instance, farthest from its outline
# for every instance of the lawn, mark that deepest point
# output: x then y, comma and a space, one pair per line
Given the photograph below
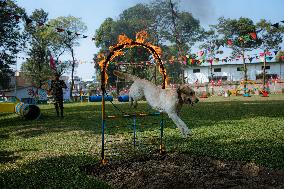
49, 152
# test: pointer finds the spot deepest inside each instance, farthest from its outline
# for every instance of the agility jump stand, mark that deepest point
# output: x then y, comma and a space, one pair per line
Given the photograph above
116, 50
134, 116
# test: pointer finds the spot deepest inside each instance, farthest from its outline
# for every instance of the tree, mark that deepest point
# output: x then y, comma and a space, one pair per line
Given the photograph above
280, 56
130, 22
11, 39
156, 19
69, 31
270, 38
36, 69
238, 32
176, 27
211, 44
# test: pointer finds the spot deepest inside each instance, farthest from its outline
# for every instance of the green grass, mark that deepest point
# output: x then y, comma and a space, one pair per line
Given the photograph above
49, 152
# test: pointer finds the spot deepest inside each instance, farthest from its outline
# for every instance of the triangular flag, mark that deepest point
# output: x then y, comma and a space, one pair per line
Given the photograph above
269, 58
246, 38
28, 21
275, 52
17, 17
52, 63
253, 35
276, 25
229, 42
60, 30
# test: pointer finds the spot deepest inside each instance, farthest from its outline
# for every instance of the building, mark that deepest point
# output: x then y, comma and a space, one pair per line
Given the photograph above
233, 71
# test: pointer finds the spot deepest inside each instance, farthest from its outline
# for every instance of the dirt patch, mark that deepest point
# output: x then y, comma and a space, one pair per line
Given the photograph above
184, 171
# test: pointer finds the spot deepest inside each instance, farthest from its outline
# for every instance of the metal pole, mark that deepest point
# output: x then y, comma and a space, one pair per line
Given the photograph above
162, 147
103, 160
134, 131
264, 72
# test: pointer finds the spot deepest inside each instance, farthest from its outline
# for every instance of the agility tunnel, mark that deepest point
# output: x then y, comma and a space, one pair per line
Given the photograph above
123, 98
98, 98
28, 111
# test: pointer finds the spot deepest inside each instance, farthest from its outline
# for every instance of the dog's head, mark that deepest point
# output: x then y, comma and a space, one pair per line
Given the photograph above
187, 95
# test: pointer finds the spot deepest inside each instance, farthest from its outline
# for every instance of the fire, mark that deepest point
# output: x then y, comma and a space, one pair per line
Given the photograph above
123, 39
141, 36
125, 42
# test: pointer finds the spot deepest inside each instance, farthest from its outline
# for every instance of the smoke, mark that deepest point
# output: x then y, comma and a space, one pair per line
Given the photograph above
200, 9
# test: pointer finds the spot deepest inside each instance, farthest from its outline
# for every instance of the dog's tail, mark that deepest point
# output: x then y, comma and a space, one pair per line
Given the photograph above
125, 76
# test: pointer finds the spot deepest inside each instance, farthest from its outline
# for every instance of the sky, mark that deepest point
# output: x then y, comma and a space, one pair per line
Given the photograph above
94, 12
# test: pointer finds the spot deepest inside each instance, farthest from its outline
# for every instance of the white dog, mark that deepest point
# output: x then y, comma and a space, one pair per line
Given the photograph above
163, 100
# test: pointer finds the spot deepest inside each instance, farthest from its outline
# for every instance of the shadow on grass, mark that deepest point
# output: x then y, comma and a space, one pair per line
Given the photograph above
8, 156
87, 117
265, 152
55, 172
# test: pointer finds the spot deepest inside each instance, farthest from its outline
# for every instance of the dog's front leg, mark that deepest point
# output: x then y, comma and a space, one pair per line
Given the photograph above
178, 108
180, 124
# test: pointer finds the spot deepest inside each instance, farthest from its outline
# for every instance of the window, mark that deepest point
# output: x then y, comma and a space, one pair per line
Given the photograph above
266, 67
217, 78
240, 69
196, 70
217, 69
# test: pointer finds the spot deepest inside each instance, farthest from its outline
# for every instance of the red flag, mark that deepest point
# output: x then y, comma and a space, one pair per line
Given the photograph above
229, 42
52, 63
253, 35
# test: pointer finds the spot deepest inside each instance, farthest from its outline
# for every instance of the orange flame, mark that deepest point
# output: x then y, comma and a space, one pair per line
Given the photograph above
141, 36
164, 73
116, 53
123, 39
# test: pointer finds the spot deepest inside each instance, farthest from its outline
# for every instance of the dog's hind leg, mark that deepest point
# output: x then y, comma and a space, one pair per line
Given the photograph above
131, 101
135, 104
180, 124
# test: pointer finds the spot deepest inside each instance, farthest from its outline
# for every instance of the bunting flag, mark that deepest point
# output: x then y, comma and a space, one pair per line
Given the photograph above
52, 63
230, 42
28, 21
276, 25
60, 30
253, 35
268, 58
275, 52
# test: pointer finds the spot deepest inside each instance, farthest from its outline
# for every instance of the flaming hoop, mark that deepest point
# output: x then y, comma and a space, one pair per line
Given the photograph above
125, 42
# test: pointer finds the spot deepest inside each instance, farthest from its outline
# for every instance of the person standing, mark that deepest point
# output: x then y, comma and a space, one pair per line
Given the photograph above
57, 86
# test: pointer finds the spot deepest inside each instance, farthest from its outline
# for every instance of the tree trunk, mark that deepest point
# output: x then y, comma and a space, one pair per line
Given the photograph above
245, 71
72, 74
264, 72
211, 72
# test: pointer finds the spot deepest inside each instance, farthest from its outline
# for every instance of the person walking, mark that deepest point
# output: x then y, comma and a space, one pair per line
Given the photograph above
57, 86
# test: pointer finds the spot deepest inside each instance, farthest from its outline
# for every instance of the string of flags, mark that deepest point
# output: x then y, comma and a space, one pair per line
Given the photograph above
201, 57
198, 58
29, 21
